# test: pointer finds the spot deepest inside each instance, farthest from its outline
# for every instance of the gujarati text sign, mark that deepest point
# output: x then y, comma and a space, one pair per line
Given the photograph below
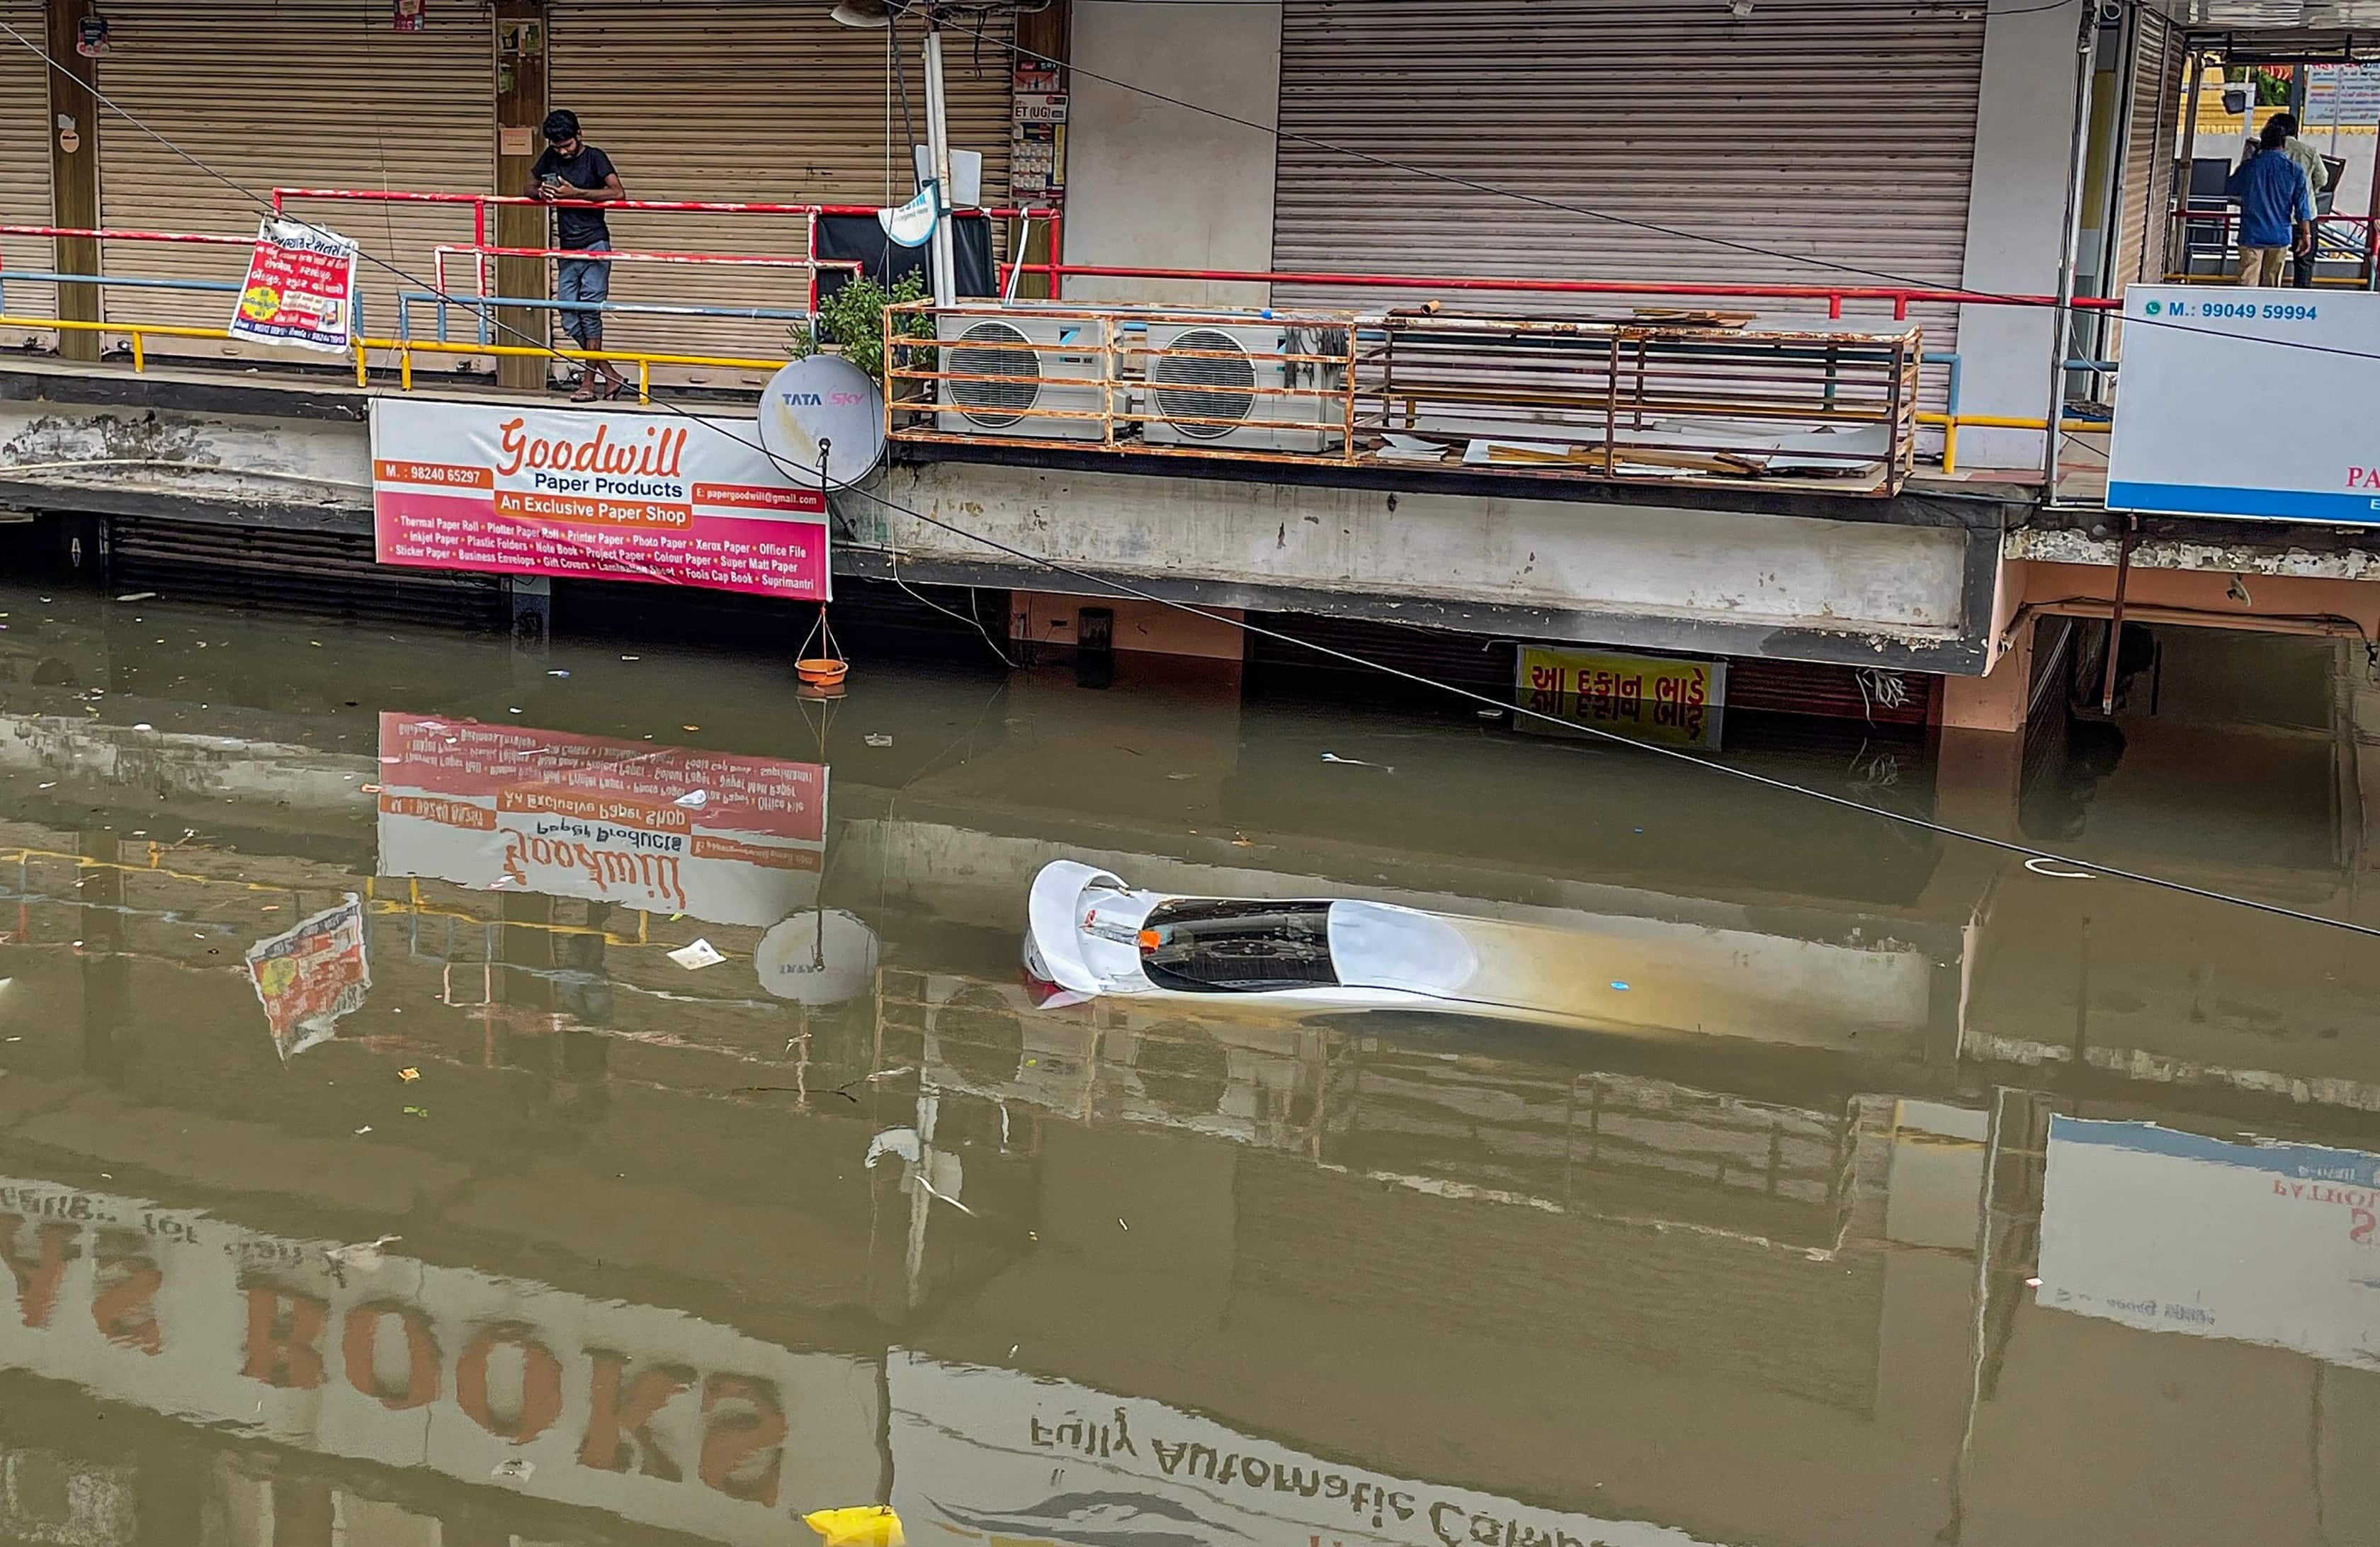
625, 496
1650, 697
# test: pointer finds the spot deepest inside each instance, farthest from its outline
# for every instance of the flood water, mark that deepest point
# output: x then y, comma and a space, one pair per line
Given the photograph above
371, 1174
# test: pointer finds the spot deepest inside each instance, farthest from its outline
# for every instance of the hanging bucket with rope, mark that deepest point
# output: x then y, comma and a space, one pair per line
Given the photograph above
827, 668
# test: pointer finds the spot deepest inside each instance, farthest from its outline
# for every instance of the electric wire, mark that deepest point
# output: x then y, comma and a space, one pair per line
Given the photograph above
1110, 585
1962, 294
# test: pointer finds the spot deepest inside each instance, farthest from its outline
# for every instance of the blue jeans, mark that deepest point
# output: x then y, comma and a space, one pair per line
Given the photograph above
588, 281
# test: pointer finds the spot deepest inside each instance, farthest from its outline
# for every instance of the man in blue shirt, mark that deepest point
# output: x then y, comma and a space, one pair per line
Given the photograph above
2276, 209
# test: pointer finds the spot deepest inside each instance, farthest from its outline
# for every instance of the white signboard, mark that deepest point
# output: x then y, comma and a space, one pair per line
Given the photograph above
2170, 1232
2342, 94
2192, 437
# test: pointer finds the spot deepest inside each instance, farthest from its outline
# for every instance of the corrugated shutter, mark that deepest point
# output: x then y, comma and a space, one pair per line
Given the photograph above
24, 168
1840, 130
2150, 113
317, 93
764, 101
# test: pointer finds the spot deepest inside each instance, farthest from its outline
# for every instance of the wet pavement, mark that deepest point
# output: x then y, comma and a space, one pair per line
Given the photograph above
371, 1173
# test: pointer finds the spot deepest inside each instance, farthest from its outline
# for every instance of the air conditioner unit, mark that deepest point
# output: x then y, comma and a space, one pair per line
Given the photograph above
1066, 374
1219, 378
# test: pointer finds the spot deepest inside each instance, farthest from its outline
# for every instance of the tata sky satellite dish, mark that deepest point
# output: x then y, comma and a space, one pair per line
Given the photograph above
911, 225
823, 401
822, 955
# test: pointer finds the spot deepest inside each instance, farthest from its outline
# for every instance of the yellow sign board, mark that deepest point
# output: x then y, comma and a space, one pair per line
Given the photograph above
1647, 698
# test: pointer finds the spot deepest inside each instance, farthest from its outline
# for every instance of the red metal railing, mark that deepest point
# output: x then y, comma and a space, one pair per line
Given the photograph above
482, 203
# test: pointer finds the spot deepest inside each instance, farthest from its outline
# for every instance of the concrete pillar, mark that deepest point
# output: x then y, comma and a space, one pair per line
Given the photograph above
1158, 186
1995, 702
520, 107
2016, 210
74, 175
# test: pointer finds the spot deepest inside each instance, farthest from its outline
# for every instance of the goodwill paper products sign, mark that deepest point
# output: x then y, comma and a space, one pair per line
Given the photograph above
624, 496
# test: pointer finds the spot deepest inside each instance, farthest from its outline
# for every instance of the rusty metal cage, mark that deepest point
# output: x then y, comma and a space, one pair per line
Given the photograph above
1648, 397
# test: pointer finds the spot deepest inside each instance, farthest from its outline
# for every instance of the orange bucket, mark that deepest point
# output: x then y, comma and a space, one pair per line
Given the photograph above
821, 671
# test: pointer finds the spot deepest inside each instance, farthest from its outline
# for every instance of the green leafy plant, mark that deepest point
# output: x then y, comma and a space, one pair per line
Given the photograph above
852, 319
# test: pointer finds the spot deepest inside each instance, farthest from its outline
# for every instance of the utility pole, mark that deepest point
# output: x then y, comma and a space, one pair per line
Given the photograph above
944, 255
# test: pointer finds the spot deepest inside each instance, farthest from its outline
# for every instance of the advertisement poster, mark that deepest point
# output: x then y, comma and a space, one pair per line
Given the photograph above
719, 837
2171, 1232
620, 497
2342, 94
2185, 445
301, 288
988, 1455
1649, 698
311, 976
659, 1417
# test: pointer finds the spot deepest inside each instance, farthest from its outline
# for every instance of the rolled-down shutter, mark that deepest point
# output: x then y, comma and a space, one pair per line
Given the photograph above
762, 102
314, 93
24, 170
2151, 110
1601, 139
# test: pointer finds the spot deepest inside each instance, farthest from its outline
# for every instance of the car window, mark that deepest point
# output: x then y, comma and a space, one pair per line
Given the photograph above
1197, 946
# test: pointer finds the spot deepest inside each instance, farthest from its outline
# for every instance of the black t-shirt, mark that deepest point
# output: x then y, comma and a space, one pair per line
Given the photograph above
588, 168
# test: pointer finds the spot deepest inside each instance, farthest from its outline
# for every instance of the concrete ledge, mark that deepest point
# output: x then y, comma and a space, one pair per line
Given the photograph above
1990, 508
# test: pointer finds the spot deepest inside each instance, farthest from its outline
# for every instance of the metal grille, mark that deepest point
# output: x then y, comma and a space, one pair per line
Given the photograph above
215, 81
1837, 133
754, 101
994, 349
2157, 57
1191, 387
319, 573
25, 167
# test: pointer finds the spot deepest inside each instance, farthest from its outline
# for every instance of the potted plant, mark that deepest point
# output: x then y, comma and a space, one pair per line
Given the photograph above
851, 321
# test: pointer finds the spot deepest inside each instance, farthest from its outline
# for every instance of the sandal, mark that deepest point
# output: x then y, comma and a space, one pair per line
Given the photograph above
618, 388
587, 393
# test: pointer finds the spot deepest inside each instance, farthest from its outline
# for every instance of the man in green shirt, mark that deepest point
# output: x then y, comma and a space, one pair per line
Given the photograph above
2309, 160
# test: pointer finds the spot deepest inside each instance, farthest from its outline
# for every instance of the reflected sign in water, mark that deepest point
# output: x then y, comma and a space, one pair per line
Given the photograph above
987, 1452
309, 977
2261, 1243
720, 838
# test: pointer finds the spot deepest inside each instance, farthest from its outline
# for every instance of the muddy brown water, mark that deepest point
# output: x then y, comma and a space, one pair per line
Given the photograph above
370, 1173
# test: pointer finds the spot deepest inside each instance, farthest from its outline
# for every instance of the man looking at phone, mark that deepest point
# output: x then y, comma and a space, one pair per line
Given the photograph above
573, 174
2276, 208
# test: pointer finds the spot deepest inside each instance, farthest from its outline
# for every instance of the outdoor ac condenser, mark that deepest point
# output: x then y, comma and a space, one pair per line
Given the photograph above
1206, 380
1067, 377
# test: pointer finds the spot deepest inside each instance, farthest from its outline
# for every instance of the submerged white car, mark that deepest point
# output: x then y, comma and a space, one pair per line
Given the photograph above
1092, 933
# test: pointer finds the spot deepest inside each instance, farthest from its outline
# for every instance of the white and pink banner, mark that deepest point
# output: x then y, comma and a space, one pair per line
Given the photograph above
727, 839
623, 496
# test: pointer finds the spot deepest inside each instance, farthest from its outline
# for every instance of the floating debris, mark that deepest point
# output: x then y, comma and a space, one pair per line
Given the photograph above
701, 954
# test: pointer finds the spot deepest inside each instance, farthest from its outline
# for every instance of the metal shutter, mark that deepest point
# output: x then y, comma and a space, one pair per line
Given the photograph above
24, 168
1837, 129
317, 93
2154, 105
764, 101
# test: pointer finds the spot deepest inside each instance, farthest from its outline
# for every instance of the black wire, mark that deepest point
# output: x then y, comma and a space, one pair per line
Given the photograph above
1962, 294
1105, 584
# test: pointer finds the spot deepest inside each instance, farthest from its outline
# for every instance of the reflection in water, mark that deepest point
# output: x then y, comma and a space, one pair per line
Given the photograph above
1752, 1265
311, 975
2172, 1232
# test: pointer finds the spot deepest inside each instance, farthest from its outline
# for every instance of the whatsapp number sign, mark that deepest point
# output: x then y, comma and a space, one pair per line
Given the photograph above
2248, 403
